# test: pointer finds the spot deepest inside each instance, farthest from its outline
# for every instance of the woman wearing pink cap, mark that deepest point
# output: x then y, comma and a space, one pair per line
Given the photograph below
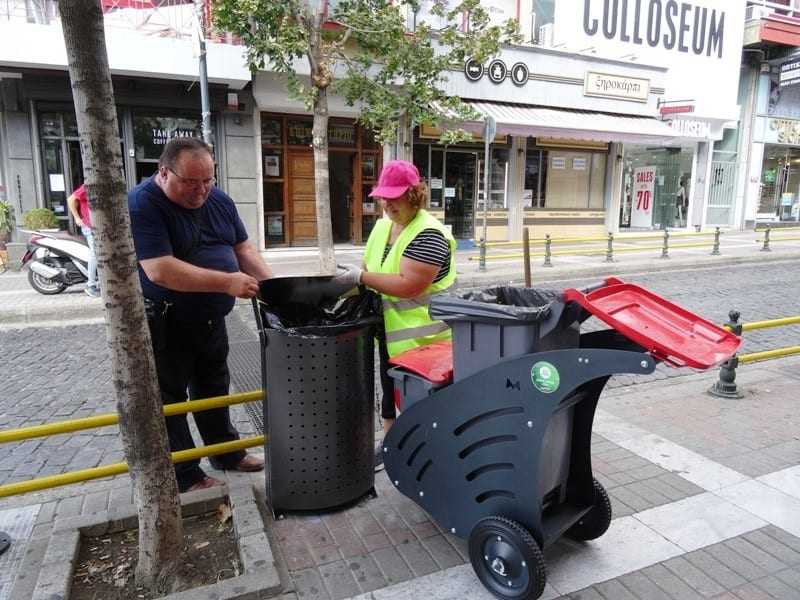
410, 256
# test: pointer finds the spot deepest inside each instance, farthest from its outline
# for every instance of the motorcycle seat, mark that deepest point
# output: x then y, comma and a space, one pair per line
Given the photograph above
66, 235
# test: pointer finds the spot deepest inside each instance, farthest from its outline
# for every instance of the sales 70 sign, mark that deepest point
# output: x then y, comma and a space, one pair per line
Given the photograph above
644, 181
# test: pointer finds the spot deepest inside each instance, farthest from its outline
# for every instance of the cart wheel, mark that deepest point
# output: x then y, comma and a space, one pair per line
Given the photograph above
507, 559
595, 522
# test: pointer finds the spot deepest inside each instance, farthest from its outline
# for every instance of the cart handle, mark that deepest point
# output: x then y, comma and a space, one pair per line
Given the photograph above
601, 284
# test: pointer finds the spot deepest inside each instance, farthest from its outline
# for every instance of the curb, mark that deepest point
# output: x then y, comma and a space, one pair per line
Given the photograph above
260, 577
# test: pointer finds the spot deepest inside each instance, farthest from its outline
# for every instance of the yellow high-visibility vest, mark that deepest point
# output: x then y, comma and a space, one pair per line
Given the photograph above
406, 319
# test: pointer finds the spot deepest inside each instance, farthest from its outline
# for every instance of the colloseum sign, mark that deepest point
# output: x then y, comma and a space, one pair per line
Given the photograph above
697, 42
681, 26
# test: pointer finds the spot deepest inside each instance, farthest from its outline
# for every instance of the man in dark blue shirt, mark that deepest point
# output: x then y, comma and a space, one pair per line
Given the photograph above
194, 261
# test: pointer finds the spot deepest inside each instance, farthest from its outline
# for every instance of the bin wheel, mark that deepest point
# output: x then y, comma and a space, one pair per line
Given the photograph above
5, 541
595, 522
507, 559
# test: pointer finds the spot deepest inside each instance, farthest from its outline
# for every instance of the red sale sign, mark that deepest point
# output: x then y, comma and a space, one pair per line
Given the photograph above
644, 185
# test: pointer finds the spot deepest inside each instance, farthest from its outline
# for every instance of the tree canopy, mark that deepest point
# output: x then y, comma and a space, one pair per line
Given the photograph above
380, 56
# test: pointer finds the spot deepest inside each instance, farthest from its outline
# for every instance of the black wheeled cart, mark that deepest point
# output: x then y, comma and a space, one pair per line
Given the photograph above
501, 456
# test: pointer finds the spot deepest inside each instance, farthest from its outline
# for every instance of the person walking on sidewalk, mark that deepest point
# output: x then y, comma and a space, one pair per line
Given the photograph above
78, 203
194, 261
409, 257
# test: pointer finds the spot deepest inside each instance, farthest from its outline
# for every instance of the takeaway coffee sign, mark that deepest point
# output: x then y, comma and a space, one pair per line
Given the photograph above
497, 72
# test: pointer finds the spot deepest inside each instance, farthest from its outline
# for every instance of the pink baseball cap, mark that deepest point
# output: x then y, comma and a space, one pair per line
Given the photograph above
395, 179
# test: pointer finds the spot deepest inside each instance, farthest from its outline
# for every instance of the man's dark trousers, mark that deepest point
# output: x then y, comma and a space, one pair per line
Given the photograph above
192, 355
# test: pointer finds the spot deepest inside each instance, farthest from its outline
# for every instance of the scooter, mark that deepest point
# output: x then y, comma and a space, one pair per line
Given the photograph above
55, 261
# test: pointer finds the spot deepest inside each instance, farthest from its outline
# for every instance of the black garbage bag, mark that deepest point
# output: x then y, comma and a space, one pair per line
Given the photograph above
316, 312
503, 303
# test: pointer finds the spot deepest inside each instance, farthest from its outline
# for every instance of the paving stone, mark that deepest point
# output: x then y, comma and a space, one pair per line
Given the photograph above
95, 502
376, 541
736, 562
775, 587
766, 561
418, 558
348, 543
693, 576
670, 583
69, 507
325, 554
366, 572
642, 587
442, 552
338, 580
750, 591
586, 594
613, 590
790, 577
392, 565
308, 585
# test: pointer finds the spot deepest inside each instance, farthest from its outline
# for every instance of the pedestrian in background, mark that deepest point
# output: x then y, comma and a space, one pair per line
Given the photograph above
194, 261
78, 203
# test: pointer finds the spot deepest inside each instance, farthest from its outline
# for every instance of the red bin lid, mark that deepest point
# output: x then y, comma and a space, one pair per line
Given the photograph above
433, 361
671, 333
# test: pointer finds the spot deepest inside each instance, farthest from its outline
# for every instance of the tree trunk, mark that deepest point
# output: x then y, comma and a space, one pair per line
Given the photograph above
141, 422
320, 78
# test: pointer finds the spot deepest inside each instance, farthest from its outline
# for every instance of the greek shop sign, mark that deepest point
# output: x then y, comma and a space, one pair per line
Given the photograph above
604, 85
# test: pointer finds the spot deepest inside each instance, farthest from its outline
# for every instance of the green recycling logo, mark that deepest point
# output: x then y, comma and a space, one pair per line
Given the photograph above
545, 377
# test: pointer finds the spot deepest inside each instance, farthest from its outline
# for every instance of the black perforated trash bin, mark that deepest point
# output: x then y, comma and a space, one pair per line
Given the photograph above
317, 362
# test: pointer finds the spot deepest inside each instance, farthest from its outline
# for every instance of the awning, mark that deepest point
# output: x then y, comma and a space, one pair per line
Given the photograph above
532, 121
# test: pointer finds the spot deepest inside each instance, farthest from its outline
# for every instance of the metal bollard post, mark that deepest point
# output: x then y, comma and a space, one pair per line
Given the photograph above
665, 246
610, 250
725, 387
547, 255
482, 259
526, 252
715, 251
766, 247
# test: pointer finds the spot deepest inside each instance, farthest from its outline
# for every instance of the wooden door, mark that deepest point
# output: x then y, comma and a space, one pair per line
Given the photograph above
302, 207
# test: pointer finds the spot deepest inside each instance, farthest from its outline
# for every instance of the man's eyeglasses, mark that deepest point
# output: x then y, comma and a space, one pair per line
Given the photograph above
193, 182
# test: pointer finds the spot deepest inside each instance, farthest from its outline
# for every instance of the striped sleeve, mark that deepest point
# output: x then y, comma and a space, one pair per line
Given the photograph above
430, 247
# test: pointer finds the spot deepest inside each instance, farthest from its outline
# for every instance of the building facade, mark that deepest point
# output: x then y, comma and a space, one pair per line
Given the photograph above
154, 73
769, 188
609, 115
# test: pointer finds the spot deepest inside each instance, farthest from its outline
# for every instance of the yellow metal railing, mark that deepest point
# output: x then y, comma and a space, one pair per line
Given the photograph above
51, 481
583, 246
27, 433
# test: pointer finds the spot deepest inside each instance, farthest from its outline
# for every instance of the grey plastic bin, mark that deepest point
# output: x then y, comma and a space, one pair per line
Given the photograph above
410, 388
503, 322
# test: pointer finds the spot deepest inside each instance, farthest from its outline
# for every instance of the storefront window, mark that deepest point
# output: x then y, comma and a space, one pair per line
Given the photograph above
498, 184
50, 124
533, 195
152, 131
656, 186
780, 183
271, 131
299, 132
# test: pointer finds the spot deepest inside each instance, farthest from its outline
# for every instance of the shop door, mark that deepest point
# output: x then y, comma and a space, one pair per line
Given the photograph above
302, 208
459, 192
64, 173
340, 173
